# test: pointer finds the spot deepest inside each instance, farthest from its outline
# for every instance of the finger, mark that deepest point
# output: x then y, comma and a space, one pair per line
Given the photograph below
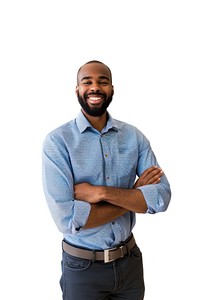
150, 172
146, 176
154, 172
149, 176
155, 178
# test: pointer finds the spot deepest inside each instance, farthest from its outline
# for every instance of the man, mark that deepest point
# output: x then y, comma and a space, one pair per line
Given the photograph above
89, 168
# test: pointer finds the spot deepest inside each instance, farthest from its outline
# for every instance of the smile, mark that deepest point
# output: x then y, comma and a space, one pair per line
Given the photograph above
95, 99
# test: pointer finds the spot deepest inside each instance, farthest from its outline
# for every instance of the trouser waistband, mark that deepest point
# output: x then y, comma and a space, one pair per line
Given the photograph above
107, 255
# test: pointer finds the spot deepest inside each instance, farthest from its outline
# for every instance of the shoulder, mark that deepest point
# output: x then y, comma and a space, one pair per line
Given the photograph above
61, 133
127, 127
68, 126
129, 132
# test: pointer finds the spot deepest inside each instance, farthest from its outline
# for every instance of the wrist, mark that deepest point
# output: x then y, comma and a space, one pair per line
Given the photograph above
101, 193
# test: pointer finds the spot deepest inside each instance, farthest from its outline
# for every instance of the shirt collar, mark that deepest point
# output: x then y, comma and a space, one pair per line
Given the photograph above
83, 123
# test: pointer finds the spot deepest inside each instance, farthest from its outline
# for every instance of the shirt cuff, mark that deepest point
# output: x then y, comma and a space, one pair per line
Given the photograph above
150, 194
81, 214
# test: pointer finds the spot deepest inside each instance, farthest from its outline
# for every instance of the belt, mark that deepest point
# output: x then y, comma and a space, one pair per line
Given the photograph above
106, 256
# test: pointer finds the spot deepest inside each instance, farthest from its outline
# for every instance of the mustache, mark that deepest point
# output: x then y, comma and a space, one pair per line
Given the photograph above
95, 94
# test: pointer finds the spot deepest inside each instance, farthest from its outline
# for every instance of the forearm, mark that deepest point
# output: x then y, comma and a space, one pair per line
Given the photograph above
102, 213
108, 203
130, 199
113, 203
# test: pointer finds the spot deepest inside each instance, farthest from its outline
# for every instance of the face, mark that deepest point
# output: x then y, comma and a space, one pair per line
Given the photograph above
94, 89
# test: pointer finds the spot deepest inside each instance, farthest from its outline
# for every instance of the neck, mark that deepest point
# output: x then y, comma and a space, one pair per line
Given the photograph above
97, 122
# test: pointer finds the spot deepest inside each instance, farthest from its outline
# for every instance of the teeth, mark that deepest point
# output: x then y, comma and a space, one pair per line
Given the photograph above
94, 98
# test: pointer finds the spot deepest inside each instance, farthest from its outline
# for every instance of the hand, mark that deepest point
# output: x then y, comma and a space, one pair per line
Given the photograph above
87, 192
150, 176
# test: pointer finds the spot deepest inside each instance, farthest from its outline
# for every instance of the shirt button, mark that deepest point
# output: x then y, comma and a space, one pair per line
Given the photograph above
113, 222
108, 178
106, 155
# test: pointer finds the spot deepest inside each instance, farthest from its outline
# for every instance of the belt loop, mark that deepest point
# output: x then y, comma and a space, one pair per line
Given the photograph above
93, 255
127, 248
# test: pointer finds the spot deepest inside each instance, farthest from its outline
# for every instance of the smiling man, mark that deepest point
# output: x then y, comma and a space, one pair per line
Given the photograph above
90, 167
94, 90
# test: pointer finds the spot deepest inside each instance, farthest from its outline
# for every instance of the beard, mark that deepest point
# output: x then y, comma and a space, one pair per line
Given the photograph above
94, 111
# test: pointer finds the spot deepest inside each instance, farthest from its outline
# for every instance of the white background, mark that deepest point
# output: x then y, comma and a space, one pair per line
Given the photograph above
153, 50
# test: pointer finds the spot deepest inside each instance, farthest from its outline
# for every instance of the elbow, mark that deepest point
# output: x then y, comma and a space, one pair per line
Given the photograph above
164, 202
144, 208
161, 204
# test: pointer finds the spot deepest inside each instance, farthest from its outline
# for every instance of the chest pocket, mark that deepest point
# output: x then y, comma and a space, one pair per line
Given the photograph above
126, 166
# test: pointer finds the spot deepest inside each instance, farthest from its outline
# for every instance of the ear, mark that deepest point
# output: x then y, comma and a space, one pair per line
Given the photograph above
76, 90
112, 90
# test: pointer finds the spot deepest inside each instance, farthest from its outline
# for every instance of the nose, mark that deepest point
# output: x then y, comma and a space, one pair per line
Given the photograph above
95, 87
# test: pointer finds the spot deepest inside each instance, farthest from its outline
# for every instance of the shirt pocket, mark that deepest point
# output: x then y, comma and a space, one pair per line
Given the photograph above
127, 165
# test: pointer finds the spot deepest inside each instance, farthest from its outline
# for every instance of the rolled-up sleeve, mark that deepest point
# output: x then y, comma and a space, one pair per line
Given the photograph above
68, 213
157, 196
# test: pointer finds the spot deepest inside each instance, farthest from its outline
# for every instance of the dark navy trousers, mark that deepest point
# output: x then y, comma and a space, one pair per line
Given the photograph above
83, 279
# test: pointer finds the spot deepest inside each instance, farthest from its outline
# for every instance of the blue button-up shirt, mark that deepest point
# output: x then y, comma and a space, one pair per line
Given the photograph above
76, 153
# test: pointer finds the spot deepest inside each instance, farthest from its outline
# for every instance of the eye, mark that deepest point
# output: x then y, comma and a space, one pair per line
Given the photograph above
103, 82
86, 82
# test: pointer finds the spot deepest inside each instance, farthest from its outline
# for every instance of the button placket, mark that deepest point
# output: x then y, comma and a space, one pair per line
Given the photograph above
107, 160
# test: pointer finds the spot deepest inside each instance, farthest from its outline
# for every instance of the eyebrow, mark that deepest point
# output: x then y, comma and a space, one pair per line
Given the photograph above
100, 77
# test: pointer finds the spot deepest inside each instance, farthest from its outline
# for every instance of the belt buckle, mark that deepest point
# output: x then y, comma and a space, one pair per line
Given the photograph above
107, 258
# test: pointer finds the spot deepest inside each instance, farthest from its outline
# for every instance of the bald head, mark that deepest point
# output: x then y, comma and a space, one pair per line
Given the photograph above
94, 62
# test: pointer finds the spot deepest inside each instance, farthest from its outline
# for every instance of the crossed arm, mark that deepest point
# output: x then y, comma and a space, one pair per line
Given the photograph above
108, 203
